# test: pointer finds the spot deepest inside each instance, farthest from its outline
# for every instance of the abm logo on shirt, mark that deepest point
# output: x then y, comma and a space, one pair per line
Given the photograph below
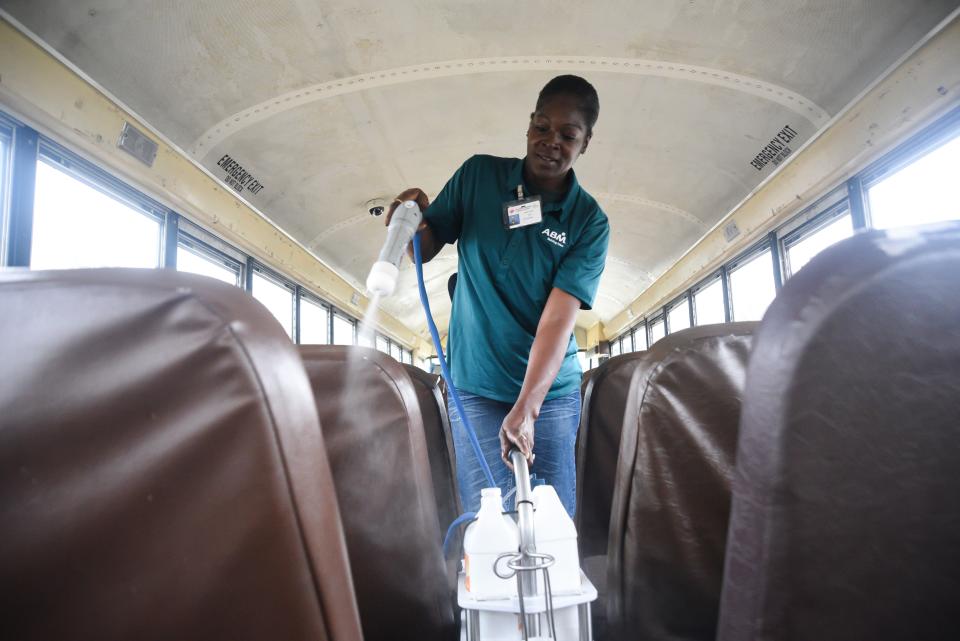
558, 239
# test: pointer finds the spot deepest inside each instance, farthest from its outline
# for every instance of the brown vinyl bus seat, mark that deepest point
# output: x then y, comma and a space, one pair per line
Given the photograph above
436, 429
162, 471
846, 509
671, 498
606, 396
374, 431
606, 401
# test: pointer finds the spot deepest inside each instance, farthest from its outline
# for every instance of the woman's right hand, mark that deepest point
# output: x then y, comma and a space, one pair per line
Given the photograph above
415, 194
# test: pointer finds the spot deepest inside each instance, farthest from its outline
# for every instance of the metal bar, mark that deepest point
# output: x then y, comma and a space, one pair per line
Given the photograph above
171, 235
473, 625
330, 325
586, 627
777, 264
690, 306
23, 180
858, 210
725, 282
528, 540
297, 291
248, 276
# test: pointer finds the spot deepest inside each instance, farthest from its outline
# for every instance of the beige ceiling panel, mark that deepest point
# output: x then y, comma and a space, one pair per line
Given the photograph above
185, 65
315, 162
329, 103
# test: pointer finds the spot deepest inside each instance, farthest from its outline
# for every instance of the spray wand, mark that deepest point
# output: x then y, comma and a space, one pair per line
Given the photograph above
382, 281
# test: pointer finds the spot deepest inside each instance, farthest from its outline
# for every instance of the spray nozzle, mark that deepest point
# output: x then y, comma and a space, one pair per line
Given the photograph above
382, 279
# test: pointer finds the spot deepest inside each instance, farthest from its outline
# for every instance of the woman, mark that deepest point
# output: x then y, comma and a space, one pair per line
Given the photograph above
532, 246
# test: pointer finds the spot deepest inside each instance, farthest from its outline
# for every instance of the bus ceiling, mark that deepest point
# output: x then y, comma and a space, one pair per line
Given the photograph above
309, 111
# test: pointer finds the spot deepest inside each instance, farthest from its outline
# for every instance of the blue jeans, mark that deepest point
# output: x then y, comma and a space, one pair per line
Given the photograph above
554, 439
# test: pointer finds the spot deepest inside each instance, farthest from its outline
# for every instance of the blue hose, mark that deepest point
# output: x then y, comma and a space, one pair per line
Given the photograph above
451, 389
463, 518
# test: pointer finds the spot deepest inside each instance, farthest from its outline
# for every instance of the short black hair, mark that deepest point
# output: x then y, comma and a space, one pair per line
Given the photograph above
578, 88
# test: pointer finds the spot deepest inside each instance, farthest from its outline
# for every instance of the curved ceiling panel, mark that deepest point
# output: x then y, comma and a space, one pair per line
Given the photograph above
329, 103
802, 107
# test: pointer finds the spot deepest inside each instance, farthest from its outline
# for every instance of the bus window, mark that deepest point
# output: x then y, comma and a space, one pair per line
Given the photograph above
708, 304
678, 317
5, 140
639, 338
343, 330
366, 338
925, 191
584, 361
314, 323
396, 352
276, 298
615, 348
76, 225
383, 344
197, 262
752, 287
800, 252
657, 330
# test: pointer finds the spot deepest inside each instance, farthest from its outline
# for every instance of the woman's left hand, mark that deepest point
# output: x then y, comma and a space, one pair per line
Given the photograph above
517, 430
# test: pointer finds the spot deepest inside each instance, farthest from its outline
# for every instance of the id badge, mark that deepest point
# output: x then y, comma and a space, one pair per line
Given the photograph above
522, 212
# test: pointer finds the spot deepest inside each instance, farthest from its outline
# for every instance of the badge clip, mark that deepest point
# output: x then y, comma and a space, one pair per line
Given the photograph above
522, 212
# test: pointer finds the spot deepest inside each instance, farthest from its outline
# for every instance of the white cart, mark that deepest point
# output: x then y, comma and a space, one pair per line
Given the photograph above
530, 616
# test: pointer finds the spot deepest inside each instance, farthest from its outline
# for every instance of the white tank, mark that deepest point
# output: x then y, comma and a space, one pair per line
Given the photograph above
491, 535
557, 536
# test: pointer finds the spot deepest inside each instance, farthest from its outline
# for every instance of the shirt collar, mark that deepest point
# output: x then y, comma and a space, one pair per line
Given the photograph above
562, 208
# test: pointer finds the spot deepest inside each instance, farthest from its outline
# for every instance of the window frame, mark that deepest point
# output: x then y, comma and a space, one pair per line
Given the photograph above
618, 345
8, 133
717, 276
640, 327
305, 294
350, 319
650, 322
256, 267
198, 246
754, 251
924, 142
672, 305
103, 181
92, 175
17, 229
809, 227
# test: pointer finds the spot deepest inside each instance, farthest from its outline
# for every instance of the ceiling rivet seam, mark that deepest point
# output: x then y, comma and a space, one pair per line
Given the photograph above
298, 97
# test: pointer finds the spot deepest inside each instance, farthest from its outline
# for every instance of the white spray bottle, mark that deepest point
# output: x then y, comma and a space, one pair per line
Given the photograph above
491, 535
382, 279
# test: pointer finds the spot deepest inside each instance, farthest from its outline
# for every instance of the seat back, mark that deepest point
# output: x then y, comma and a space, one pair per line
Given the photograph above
436, 430
162, 470
606, 402
671, 500
585, 383
846, 519
371, 420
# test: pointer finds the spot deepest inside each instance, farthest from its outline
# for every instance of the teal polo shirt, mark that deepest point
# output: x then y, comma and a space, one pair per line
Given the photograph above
505, 276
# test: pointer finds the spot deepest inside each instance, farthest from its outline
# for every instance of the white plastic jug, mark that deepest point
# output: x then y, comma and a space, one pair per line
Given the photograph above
557, 536
491, 535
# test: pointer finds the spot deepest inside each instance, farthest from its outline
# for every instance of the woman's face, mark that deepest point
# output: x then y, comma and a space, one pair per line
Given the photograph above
555, 139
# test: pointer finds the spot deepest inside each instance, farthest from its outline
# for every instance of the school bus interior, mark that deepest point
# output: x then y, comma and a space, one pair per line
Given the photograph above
769, 437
